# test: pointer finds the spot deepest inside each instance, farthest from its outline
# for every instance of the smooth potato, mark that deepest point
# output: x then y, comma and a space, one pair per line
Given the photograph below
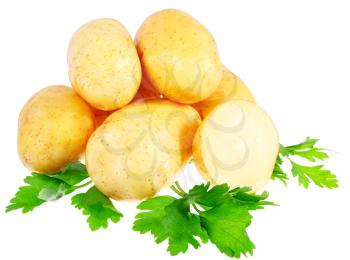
103, 64
53, 129
179, 56
237, 143
230, 87
139, 148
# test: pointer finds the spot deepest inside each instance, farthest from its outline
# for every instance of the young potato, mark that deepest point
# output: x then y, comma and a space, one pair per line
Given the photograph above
230, 87
179, 56
53, 129
103, 64
139, 148
237, 144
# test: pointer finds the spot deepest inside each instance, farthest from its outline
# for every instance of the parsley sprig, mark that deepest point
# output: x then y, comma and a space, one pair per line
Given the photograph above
202, 214
40, 189
306, 174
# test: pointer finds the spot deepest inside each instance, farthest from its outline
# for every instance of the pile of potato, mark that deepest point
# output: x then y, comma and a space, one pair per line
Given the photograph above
139, 109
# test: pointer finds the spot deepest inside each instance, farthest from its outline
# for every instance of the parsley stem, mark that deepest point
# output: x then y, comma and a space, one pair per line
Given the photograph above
176, 191
83, 185
196, 209
179, 188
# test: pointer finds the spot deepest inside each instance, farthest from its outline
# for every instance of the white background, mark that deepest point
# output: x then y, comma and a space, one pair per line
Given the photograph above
294, 56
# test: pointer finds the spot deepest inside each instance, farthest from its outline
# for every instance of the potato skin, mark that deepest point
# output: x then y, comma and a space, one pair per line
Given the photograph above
140, 148
103, 64
53, 129
230, 87
179, 56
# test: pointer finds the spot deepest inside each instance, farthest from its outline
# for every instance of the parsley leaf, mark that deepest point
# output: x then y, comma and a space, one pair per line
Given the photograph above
98, 207
306, 174
305, 150
226, 226
170, 218
42, 188
204, 196
222, 218
278, 173
321, 177
72, 174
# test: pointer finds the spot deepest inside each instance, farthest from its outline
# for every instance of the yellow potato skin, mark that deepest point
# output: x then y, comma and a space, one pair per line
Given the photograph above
53, 129
104, 67
179, 56
139, 148
230, 87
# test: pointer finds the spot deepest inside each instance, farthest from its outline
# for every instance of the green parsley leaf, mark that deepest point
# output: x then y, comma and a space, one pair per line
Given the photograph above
204, 196
305, 150
222, 218
149, 220
47, 187
305, 174
98, 207
253, 201
170, 218
319, 176
278, 173
226, 227
72, 174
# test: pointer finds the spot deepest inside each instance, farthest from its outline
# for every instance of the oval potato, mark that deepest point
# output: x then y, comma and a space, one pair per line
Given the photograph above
230, 87
140, 148
104, 67
237, 143
179, 56
53, 129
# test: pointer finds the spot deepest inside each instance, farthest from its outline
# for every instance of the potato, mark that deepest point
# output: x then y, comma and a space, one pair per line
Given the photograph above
139, 148
103, 64
230, 87
237, 144
53, 129
179, 56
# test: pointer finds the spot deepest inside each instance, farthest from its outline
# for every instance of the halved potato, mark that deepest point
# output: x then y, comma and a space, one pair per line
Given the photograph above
139, 148
237, 144
230, 87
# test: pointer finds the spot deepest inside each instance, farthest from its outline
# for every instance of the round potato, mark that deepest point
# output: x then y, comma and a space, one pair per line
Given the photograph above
179, 56
237, 144
230, 87
103, 64
53, 129
139, 148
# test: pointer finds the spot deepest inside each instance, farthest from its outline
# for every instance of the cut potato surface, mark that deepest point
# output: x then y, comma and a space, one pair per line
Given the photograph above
237, 144
230, 87
104, 67
179, 56
53, 129
139, 148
